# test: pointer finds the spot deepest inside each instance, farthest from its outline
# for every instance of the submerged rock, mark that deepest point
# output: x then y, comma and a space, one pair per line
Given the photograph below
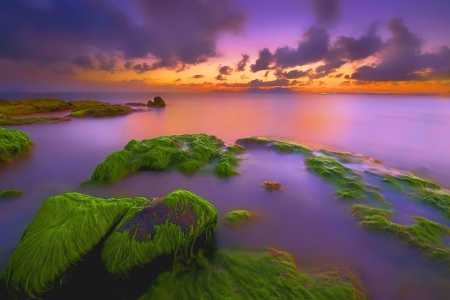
102, 111
276, 144
157, 102
267, 274
164, 227
136, 103
272, 186
7, 120
186, 153
12, 143
31, 106
238, 217
10, 193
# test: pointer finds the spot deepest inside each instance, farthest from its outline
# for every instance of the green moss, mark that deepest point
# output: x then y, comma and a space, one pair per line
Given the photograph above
342, 156
439, 201
65, 229
278, 145
6, 120
85, 104
238, 217
186, 153
350, 194
268, 274
158, 228
409, 181
107, 111
31, 106
424, 234
12, 143
11, 194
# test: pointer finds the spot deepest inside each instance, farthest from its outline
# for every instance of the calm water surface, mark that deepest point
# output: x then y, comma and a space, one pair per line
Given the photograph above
409, 133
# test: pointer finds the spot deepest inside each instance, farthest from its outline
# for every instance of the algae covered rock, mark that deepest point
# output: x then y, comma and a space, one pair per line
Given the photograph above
266, 274
31, 106
238, 217
157, 102
186, 153
63, 231
164, 227
102, 111
12, 143
276, 144
7, 120
10, 193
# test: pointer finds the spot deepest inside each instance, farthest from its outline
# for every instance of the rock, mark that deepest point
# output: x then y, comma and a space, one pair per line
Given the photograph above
158, 102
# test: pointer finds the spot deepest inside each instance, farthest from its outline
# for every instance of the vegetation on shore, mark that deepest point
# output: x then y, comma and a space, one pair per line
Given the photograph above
265, 274
426, 235
186, 153
12, 143
7, 120
238, 217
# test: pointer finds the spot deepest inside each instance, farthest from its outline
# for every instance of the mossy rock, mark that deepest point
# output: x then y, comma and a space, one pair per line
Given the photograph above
157, 102
85, 104
276, 144
31, 106
267, 274
403, 182
426, 235
164, 227
186, 153
7, 120
10, 193
238, 217
12, 143
102, 111
63, 231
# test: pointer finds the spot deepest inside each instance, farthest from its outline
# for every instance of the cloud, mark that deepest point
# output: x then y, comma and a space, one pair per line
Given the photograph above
240, 67
128, 65
172, 33
312, 48
225, 70
142, 68
294, 74
325, 11
134, 81
198, 76
220, 77
263, 62
259, 83
401, 59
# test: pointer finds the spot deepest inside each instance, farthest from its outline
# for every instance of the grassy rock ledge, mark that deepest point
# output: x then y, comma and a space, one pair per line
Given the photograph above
186, 153
12, 143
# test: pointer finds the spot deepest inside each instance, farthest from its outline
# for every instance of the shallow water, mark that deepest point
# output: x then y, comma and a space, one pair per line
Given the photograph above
305, 219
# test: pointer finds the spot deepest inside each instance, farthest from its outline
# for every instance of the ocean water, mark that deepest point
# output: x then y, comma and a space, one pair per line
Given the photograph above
306, 219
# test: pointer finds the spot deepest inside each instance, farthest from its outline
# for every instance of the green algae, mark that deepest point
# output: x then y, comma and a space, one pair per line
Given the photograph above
238, 217
164, 227
6, 120
268, 274
10, 193
186, 153
102, 111
31, 106
426, 235
439, 201
63, 231
278, 145
350, 194
12, 143
402, 182
85, 104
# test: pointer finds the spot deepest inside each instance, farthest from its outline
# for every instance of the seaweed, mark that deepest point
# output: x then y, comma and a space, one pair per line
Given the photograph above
63, 231
164, 227
186, 153
12, 143
276, 144
6, 120
31, 106
238, 217
102, 111
10, 193
426, 235
265, 274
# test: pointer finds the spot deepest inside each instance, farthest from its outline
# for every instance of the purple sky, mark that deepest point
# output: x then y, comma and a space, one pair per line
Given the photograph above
50, 45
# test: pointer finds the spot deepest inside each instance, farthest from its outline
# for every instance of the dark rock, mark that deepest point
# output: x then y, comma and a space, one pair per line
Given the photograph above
157, 102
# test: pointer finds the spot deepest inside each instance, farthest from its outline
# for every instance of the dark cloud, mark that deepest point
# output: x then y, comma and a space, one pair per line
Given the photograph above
128, 65
325, 11
327, 68
312, 48
266, 74
198, 76
294, 74
263, 62
401, 59
172, 32
225, 70
142, 68
259, 83
240, 67
220, 77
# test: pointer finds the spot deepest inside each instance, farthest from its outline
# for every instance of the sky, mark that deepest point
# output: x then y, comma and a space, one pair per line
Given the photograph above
399, 46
